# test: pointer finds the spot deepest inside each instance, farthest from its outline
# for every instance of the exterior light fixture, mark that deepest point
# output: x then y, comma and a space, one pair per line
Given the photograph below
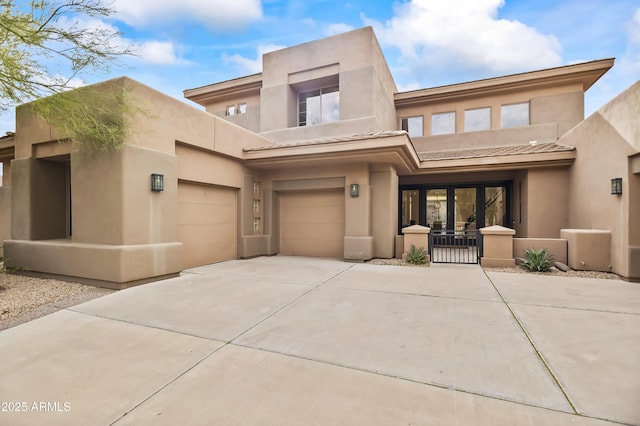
354, 189
616, 186
157, 182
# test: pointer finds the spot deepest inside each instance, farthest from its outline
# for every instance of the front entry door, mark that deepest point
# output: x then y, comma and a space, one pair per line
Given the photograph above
455, 208
455, 214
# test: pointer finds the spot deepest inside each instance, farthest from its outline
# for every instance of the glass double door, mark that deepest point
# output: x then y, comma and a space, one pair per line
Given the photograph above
456, 208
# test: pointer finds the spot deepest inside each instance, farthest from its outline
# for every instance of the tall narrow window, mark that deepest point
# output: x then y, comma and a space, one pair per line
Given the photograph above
443, 123
231, 110
413, 126
410, 207
495, 206
514, 115
256, 207
437, 209
319, 106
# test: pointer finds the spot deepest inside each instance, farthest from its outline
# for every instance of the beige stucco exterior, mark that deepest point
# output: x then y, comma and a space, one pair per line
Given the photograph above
255, 182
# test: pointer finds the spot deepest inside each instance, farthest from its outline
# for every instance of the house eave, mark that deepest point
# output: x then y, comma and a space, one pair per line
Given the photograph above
242, 86
506, 162
586, 74
396, 150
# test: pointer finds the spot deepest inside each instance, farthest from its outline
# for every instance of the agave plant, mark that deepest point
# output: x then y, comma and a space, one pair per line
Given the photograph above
417, 256
537, 260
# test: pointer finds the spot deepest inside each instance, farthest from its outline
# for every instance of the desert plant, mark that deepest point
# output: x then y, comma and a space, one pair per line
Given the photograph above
537, 260
417, 256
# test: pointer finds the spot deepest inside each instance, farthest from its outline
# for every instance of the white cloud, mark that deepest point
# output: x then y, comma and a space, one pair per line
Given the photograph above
630, 61
218, 15
334, 29
157, 52
251, 66
465, 34
634, 28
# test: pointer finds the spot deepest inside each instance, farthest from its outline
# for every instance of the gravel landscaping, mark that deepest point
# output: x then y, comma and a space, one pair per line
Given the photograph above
517, 270
24, 298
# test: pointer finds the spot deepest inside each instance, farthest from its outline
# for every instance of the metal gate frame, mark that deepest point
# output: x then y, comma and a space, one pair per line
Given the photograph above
449, 246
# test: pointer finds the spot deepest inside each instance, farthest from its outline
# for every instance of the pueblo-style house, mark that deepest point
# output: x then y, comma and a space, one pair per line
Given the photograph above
320, 155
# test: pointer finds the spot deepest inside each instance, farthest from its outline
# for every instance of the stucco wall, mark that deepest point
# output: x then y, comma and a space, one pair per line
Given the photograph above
547, 194
354, 61
5, 216
38, 205
125, 210
567, 109
604, 142
384, 213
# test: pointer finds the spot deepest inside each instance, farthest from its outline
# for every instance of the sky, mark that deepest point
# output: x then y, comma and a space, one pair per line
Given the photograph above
191, 43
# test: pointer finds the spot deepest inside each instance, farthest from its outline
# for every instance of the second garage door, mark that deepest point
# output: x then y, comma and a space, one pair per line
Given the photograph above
312, 223
206, 224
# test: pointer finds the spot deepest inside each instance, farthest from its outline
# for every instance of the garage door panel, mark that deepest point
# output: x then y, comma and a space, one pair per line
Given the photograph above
206, 224
316, 232
205, 234
313, 214
303, 248
197, 213
312, 223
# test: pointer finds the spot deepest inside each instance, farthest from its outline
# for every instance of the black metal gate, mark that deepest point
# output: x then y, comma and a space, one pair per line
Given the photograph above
448, 246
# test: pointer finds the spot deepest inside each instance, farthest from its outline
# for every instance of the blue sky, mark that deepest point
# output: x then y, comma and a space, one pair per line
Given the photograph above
190, 43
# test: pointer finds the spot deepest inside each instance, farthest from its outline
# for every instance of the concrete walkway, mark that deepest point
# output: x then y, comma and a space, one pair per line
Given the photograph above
299, 341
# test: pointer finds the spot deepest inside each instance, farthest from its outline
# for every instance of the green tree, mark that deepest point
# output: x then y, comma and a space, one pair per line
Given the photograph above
46, 47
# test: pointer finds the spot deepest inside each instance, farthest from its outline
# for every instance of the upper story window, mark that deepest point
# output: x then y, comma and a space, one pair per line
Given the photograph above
514, 115
443, 123
319, 106
236, 109
413, 126
477, 119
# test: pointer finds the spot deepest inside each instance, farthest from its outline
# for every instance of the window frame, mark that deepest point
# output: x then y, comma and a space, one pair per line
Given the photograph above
321, 92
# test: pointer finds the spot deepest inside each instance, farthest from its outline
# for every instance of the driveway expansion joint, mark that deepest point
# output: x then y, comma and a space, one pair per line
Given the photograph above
407, 379
535, 348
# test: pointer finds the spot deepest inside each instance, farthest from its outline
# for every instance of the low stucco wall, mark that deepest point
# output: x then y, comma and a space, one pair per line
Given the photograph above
556, 246
112, 266
588, 249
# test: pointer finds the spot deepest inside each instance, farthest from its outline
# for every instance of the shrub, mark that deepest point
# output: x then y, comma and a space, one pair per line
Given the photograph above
537, 260
417, 256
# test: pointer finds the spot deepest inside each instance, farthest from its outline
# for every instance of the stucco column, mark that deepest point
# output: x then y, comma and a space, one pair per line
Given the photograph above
358, 243
497, 247
418, 236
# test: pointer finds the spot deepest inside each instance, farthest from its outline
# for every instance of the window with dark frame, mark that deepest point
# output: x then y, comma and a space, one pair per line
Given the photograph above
319, 106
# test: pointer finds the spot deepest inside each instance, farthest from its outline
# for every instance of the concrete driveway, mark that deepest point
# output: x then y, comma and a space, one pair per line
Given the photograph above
299, 341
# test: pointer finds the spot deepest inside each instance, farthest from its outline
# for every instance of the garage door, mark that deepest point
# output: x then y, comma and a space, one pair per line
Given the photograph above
312, 223
206, 224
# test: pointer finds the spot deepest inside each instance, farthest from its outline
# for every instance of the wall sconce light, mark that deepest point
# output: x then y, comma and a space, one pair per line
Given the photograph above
616, 186
354, 189
157, 182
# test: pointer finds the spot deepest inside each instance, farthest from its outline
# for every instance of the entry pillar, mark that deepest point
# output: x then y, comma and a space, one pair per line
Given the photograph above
497, 247
418, 236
